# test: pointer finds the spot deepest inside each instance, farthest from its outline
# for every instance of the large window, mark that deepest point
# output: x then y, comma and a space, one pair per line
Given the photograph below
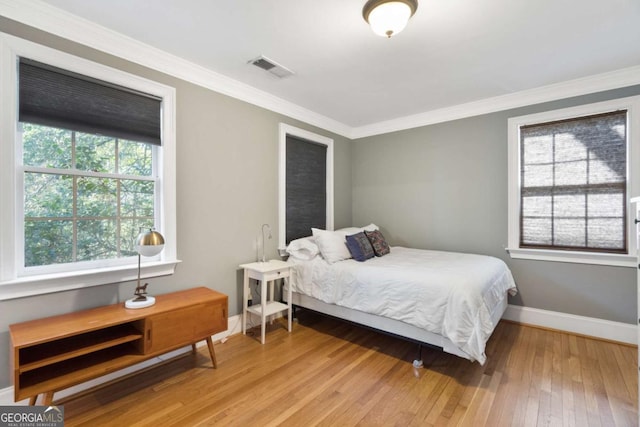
570, 184
87, 158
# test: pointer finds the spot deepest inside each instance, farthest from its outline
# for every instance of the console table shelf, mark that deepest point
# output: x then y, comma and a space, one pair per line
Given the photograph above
53, 352
77, 370
58, 352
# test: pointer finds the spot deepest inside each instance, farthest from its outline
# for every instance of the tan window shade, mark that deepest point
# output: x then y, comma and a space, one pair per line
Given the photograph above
573, 178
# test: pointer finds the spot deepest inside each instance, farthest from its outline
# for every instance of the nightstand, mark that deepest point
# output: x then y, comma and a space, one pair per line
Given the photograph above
266, 272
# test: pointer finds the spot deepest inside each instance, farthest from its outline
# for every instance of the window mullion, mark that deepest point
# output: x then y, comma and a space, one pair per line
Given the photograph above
118, 206
74, 247
586, 200
553, 193
90, 174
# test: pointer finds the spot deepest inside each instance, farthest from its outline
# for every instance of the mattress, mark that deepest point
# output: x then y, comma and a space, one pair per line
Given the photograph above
446, 293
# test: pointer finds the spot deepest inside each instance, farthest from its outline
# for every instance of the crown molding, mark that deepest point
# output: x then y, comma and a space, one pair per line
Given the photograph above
582, 86
47, 18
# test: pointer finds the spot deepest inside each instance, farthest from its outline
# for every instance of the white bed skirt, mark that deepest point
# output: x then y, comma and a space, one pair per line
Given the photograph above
392, 326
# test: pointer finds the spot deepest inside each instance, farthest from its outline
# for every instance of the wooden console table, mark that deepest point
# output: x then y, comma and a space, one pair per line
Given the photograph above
58, 352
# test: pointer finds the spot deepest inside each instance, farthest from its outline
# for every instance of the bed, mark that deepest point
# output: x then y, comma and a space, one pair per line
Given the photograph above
444, 299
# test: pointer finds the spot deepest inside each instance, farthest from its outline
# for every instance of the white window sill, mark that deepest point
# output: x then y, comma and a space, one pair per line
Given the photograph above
617, 260
44, 284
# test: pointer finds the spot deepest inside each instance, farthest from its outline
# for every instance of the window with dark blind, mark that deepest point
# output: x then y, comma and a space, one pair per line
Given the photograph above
305, 184
87, 156
306, 189
573, 184
88, 152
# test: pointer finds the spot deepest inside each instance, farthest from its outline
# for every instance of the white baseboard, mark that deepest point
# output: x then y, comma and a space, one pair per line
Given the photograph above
590, 326
234, 327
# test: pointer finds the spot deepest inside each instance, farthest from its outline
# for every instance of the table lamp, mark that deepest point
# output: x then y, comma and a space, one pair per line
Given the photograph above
148, 243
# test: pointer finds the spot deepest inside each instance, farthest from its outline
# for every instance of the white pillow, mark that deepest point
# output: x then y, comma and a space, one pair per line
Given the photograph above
332, 245
348, 231
303, 248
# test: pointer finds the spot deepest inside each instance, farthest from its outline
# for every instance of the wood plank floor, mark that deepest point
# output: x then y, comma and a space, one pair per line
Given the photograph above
330, 373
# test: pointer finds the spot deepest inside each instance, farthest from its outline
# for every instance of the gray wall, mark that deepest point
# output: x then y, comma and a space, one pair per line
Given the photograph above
444, 187
227, 186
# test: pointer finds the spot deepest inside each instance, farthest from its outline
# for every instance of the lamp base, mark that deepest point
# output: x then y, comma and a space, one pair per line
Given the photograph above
138, 303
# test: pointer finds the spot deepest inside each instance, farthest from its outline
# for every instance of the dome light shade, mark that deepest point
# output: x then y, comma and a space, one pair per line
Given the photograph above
388, 17
149, 243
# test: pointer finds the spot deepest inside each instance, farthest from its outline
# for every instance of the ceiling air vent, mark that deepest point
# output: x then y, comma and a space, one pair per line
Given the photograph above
271, 66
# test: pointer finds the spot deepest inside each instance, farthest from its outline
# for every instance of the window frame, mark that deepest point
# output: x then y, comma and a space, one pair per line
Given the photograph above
284, 130
632, 105
15, 282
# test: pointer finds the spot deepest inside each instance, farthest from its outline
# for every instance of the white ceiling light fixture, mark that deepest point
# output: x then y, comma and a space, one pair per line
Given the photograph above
388, 17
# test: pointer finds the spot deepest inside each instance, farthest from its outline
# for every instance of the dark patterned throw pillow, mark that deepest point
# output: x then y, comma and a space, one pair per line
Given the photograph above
359, 247
380, 246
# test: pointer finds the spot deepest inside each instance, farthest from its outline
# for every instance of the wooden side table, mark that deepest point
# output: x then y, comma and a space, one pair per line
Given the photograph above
265, 272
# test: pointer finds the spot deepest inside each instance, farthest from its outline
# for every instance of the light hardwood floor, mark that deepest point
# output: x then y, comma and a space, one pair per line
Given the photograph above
331, 373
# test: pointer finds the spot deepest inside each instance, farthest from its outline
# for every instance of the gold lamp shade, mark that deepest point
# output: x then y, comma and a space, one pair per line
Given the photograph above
149, 243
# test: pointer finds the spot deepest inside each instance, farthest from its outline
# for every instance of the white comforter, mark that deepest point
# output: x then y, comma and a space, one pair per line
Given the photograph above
451, 294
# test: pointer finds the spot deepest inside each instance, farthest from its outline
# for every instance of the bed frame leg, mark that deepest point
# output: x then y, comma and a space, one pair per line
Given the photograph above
418, 362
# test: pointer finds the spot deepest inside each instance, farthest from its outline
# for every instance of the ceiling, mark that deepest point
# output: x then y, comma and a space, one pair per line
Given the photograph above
452, 52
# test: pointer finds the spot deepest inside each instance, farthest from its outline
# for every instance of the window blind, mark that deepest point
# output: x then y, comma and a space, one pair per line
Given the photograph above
573, 178
54, 97
306, 187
